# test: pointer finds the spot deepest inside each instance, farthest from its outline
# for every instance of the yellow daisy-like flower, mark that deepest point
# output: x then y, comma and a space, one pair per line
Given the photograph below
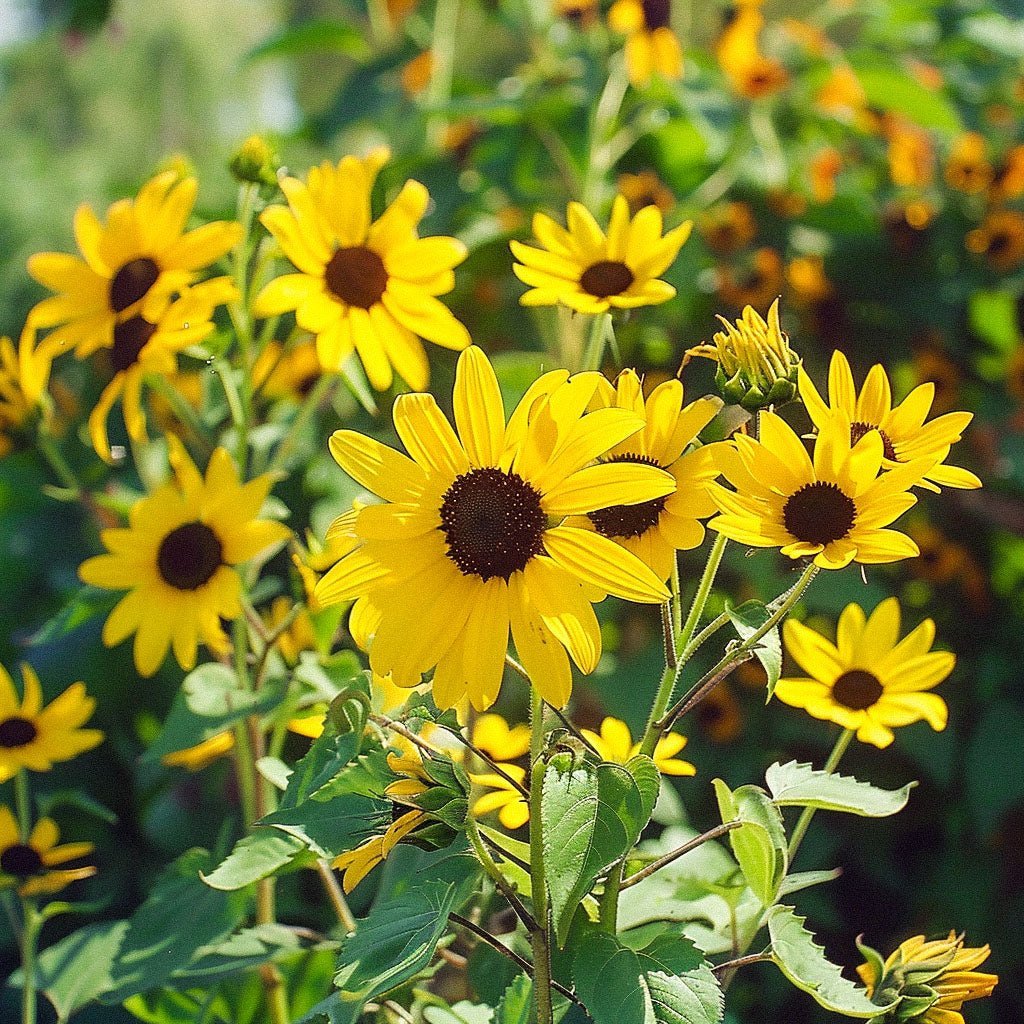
142, 347
131, 266
942, 969
471, 542
358, 863
363, 285
512, 807
299, 635
36, 737
655, 530
287, 372
201, 755
651, 45
176, 558
834, 509
615, 743
493, 735
749, 72
27, 866
902, 428
24, 375
870, 680
591, 272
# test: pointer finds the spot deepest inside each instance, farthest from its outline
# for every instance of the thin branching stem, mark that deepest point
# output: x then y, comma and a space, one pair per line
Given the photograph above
668, 858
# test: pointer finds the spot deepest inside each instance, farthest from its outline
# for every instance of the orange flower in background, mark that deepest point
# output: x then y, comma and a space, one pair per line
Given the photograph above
748, 71
805, 276
645, 189
1009, 176
911, 154
824, 169
1000, 239
728, 227
582, 13
842, 96
968, 169
651, 45
416, 75
758, 286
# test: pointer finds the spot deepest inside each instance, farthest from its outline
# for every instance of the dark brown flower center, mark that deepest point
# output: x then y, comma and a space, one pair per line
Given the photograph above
857, 690
624, 521
21, 861
357, 276
657, 13
17, 732
608, 277
189, 556
859, 429
819, 513
130, 338
132, 282
493, 523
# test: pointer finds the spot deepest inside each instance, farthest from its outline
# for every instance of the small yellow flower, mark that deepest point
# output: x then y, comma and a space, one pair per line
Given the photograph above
942, 970
651, 45
287, 372
512, 807
1000, 239
591, 272
870, 680
299, 636
358, 863
615, 743
202, 755
748, 71
842, 96
36, 737
905, 434
968, 168
646, 189
25, 866
24, 375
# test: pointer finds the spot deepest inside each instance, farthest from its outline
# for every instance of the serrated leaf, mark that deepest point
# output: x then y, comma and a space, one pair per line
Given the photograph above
803, 962
759, 844
516, 1005
247, 948
748, 618
796, 784
805, 880
331, 827
648, 782
254, 857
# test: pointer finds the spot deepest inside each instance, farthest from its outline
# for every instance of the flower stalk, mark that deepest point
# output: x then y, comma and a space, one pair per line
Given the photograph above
540, 939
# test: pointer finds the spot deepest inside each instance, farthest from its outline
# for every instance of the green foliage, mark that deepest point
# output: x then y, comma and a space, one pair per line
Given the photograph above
256, 856
748, 618
800, 785
760, 841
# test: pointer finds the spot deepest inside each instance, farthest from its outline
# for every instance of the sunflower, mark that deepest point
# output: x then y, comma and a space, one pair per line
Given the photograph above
590, 272
833, 509
904, 433
201, 755
507, 799
471, 541
614, 743
938, 974
176, 558
25, 864
133, 265
749, 72
968, 168
655, 530
142, 347
651, 45
24, 375
870, 680
36, 737
1000, 239
368, 287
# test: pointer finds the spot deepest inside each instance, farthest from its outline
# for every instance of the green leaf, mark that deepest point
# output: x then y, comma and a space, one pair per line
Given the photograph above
87, 603
155, 944
748, 618
803, 962
805, 880
330, 827
334, 1010
461, 1013
648, 782
759, 844
312, 36
245, 949
799, 785
516, 1005
890, 88
49, 802
255, 856
993, 316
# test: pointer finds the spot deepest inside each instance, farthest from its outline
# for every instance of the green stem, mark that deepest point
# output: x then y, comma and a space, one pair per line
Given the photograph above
322, 387
58, 463
804, 821
29, 939
188, 416
23, 804
540, 938
442, 52
609, 908
600, 329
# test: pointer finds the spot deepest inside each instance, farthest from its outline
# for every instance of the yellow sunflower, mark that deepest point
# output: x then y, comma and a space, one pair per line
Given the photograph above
24, 375
591, 272
615, 743
655, 530
870, 680
281, 372
651, 45
749, 72
176, 558
143, 347
133, 265
201, 755
364, 286
36, 737
902, 428
471, 540
27, 865
494, 736
834, 509
513, 808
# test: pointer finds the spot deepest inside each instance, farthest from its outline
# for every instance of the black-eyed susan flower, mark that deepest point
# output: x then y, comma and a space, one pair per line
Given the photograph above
24, 375
176, 559
655, 530
756, 282
505, 797
905, 434
133, 265
299, 635
968, 168
935, 977
833, 509
493, 735
870, 679
651, 45
910, 153
749, 72
33, 867
645, 188
591, 272
728, 227
36, 737
362, 285
356, 864
201, 755
287, 373
142, 347
615, 743
1000, 239
471, 542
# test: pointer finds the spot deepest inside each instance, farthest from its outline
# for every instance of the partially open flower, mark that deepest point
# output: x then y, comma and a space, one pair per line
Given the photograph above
24, 374
27, 864
615, 743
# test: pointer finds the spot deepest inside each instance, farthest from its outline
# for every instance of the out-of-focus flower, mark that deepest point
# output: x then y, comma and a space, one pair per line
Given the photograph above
823, 169
812, 38
646, 189
757, 285
291, 372
719, 716
1000, 239
28, 867
591, 272
615, 743
748, 71
870, 680
806, 278
905, 225
842, 96
255, 162
416, 74
1008, 182
298, 636
910, 153
582, 13
512, 807
24, 375
493, 735
651, 45
728, 227
944, 562
967, 167
931, 364
201, 755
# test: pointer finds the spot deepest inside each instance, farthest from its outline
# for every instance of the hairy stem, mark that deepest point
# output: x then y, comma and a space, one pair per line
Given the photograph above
540, 939
804, 821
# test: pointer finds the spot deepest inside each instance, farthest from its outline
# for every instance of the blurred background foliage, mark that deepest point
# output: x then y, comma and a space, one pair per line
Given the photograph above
888, 236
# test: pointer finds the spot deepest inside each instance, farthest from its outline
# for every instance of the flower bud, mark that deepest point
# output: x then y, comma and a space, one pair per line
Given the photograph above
255, 162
